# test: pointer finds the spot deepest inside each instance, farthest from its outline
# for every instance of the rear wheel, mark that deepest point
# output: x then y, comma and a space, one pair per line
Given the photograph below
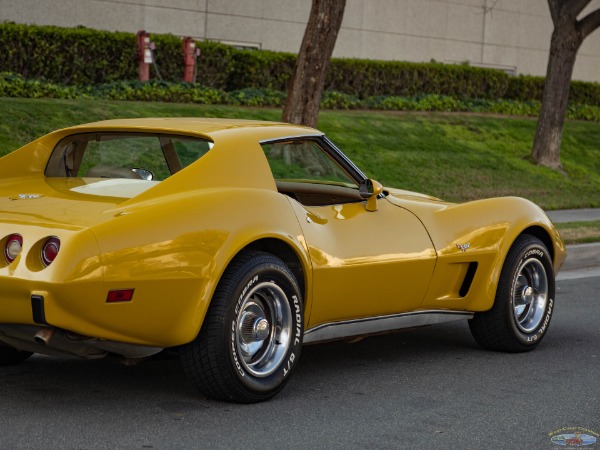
9, 355
251, 337
524, 300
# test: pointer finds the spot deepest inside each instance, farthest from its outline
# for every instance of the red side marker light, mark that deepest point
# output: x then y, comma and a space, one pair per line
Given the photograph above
120, 295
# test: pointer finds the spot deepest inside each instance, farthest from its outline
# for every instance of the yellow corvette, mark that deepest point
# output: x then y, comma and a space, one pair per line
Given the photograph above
235, 242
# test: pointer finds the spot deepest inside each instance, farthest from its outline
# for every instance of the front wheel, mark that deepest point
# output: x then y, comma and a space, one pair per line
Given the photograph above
524, 300
251, 337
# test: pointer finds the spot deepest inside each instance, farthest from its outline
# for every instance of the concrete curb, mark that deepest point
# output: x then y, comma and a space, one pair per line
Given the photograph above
582, 256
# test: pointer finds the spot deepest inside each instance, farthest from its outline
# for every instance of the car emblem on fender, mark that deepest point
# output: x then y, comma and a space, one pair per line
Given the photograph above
463, 247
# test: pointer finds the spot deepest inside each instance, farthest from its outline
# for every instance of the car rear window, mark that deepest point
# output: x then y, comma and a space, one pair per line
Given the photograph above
124, 155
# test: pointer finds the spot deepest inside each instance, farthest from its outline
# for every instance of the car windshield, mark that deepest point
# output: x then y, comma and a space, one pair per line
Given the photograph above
139, 156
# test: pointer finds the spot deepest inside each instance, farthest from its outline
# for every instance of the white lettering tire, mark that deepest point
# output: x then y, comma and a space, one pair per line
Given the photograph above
251, 337
524, 301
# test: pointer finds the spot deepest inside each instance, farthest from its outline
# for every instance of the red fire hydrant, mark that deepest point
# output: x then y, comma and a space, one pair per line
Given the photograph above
190, 53
144, 55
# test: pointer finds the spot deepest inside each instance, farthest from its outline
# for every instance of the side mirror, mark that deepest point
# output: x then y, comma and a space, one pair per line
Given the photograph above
144, 174
369, 190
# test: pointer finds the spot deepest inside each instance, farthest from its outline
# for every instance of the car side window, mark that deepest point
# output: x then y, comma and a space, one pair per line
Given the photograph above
189, 149
304, 171
304, 161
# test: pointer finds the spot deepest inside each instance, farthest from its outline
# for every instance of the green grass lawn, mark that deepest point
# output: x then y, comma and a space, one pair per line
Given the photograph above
579, 232
457, 157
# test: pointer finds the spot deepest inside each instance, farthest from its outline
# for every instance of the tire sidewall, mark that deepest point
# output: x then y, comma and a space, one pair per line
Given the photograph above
274, 273
540, 253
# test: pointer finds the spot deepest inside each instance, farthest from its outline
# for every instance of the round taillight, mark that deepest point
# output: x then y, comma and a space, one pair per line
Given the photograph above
13, 246
50, 250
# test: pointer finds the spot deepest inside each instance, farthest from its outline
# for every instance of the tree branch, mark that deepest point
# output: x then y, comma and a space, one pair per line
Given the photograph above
573, 7
589, 23
566, 9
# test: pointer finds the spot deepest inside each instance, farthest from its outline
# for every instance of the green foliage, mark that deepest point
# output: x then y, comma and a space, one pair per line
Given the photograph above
367, 78
260, 69
419, 103
159, 91
16, 86
339, 100
89, 57
67, 55
81, 56
584, 112
515, 108
584, 93
532, 88
525, 88
256, 97
215, 64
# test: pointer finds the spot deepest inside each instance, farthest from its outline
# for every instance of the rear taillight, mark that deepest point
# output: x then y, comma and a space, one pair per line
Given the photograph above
50, 250
13, 246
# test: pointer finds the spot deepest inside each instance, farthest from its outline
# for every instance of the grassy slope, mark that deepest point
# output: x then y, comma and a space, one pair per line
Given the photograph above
580, 232
453, 156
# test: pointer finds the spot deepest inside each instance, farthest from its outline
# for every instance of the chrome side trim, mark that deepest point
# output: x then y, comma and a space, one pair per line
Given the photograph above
380, 324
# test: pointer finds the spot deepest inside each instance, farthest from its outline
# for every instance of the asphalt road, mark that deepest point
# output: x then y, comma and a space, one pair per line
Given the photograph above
420, 389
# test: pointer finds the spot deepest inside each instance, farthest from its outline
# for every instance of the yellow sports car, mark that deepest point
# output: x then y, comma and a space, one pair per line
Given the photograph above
235, 242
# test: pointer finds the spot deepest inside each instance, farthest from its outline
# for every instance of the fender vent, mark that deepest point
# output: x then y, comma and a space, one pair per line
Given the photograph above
466, 285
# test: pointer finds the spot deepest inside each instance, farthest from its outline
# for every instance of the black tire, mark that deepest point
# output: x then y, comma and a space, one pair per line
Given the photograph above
524, 301
9, 355
251, 337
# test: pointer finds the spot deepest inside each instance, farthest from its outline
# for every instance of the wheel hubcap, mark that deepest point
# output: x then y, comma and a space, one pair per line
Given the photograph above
263, 329
530, 295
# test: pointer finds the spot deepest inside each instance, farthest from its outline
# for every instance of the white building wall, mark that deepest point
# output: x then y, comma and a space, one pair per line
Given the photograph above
513, 35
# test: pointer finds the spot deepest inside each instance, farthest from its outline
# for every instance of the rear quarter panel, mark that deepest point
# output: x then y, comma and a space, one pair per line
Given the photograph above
174, 252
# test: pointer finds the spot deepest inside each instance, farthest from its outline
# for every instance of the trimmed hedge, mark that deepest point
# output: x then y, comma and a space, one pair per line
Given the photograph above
367, 78
67, 55
81, 56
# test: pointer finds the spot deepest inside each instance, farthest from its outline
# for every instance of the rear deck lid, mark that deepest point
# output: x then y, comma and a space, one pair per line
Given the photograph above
65, 202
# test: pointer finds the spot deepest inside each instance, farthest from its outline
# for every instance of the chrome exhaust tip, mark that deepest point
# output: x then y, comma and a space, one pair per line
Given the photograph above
43, 336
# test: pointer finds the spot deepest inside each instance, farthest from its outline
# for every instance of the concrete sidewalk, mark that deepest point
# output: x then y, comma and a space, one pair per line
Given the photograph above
574, 215
583, 260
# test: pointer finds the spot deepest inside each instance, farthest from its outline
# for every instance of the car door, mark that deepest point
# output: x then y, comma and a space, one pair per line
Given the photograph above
365, 263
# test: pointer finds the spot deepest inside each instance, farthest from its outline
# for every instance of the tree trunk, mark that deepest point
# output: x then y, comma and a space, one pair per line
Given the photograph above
308, 79
568, 34
563, 51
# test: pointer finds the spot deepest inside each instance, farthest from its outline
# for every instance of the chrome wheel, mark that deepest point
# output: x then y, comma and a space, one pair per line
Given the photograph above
524, 302
250, 341
530, 295
263, 329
